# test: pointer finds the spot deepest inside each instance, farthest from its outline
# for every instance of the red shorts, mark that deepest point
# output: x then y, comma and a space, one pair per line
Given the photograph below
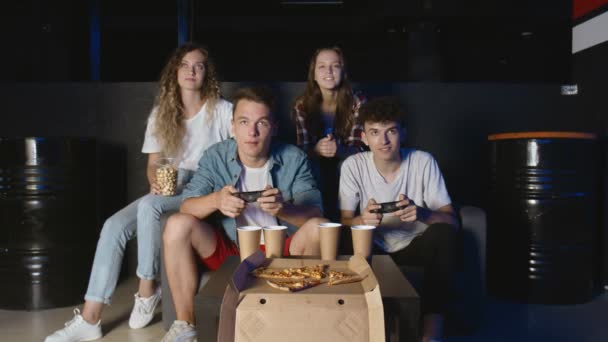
225, 248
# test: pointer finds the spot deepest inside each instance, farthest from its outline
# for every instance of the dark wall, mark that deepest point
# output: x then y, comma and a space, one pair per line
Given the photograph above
45, 40
591, 75
404, 41
450, 120
391, 40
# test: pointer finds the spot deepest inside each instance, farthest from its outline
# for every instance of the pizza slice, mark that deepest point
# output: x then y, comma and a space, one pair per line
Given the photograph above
293, 286
282, 274
295, 273
336, 278
315, 271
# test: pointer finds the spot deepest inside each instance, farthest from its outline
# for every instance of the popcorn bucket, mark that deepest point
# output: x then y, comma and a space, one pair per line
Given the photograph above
166, 176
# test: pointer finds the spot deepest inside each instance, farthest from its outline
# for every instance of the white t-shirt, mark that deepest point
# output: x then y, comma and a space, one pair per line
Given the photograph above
419, 179
255, 179
200, 134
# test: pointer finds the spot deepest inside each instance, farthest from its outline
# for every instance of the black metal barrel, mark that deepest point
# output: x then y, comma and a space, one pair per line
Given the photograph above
48, 225
543, 219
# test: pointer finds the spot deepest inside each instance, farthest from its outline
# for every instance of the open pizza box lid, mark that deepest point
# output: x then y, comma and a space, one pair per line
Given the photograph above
253, 311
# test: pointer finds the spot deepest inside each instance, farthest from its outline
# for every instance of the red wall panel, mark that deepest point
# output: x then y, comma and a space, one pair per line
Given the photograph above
582, 7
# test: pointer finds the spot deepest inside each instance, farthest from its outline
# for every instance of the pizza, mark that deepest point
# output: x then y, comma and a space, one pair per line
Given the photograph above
295, 279
293, 286
280, 274
336, 278
316, 272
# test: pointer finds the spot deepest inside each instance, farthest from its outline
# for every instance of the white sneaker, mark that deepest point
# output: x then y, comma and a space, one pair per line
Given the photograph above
143, 310
180, 331
76, 330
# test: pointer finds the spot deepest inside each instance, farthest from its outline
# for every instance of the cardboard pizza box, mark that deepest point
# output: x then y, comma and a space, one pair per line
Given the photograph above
253, 311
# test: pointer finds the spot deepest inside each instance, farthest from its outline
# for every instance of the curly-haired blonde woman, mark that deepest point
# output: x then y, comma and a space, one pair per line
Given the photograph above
188, 117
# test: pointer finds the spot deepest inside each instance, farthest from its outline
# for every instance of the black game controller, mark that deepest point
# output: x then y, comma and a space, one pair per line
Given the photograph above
387, 207
249, 196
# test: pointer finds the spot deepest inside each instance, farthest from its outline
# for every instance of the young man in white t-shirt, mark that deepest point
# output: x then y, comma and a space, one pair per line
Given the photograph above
422, 231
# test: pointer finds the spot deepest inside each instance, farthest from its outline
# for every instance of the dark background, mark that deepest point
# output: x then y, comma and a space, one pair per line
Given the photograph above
463, 69
450, 120
272, 40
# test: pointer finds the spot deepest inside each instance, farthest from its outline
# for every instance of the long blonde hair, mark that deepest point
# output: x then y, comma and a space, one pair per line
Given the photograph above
311, 99
169, 125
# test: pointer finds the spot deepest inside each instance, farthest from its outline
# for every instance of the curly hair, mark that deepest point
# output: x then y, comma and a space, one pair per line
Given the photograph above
380, 110
169, 125
312, 99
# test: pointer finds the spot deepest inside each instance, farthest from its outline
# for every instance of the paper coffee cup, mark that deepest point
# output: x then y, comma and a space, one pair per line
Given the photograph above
329, 234
362, 240
249, 240
274, 240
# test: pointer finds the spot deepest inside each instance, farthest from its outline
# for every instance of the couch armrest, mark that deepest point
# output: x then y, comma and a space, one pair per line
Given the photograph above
467, 307
474, 230
465, 311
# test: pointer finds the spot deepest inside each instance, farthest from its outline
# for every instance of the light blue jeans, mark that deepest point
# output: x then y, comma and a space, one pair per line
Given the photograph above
142, 219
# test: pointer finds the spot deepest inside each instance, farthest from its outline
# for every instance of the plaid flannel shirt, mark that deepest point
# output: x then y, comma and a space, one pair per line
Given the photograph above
306, 141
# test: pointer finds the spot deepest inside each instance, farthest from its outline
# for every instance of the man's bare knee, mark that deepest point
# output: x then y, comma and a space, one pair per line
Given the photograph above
315, 221
178, 227
311, 227
306, 239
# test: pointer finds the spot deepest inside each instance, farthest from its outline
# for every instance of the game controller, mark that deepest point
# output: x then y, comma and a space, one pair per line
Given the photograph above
249, 196
387, 207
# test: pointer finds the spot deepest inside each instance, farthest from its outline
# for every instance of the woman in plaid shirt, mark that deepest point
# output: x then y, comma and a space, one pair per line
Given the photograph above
325, 117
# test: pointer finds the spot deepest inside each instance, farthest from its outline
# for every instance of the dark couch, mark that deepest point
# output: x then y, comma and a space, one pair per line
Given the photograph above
465, 311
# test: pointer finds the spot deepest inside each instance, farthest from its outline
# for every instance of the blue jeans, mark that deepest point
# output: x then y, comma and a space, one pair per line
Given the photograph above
142, 219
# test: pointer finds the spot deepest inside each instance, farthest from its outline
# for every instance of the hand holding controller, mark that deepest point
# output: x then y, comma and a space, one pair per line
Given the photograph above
387, 207
249, 196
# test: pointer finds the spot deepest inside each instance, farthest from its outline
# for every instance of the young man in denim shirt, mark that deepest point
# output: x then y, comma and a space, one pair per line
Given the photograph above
250, 161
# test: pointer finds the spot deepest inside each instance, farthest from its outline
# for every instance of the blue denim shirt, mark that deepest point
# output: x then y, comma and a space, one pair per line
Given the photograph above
289, 170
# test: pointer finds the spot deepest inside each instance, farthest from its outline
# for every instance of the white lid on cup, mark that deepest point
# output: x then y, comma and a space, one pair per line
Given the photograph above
363, 227
248, 228
329, 225
274, 227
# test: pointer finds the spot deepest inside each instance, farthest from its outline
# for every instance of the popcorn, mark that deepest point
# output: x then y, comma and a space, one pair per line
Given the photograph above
166, 178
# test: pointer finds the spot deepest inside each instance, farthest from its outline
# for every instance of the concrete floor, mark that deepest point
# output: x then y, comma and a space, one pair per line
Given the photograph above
504, 321
508, 321
29, 326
